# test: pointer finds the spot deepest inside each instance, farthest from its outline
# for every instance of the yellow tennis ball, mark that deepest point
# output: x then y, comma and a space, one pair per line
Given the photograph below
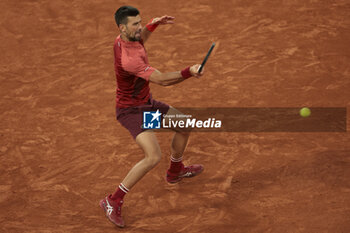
305, 112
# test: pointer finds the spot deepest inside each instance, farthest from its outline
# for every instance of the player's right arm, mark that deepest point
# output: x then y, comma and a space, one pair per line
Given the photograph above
137, 66
171, 78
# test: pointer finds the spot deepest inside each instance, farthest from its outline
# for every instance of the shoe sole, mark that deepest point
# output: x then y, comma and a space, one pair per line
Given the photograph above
181, 177
104, 210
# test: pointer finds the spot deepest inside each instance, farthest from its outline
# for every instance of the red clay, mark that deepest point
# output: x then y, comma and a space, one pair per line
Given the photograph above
61, 149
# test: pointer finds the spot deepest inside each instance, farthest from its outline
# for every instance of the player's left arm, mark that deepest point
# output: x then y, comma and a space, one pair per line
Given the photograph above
153, 24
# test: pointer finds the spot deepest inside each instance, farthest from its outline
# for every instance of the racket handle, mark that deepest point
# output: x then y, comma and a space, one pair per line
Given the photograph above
200, 69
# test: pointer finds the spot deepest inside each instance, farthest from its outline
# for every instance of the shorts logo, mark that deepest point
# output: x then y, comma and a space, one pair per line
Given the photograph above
151, 120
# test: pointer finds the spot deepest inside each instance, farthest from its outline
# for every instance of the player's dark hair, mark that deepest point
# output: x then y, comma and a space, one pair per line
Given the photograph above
121, 15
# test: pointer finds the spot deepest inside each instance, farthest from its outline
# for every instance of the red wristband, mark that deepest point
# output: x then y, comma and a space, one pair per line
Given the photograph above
186, 73
151, 27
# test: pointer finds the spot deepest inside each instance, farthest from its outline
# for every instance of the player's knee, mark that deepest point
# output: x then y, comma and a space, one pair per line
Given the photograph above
154, 159
152, 162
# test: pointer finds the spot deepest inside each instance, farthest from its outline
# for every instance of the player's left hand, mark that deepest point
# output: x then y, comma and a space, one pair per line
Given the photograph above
166, 19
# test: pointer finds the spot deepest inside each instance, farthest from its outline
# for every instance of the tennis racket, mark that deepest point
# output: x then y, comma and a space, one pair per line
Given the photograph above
206, 57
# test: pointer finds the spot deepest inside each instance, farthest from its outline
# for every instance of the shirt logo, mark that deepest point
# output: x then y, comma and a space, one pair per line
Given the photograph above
151, 120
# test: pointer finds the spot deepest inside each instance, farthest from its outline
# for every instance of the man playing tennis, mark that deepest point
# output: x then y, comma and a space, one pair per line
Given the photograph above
133, 74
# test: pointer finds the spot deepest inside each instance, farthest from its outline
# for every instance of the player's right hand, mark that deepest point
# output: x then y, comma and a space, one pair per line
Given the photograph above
194, 71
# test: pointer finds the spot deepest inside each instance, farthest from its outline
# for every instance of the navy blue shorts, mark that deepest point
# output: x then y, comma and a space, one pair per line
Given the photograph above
132, 118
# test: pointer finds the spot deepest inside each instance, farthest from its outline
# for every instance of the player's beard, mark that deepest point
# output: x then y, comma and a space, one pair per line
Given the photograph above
134, 38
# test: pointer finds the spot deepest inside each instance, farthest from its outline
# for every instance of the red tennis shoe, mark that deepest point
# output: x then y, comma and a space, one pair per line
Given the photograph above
112, 208
186, 172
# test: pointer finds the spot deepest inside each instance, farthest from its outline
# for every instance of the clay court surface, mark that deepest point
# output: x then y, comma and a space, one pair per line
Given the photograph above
61, 149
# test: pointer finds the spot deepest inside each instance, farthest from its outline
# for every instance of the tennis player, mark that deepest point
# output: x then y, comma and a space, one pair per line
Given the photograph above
133, 74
